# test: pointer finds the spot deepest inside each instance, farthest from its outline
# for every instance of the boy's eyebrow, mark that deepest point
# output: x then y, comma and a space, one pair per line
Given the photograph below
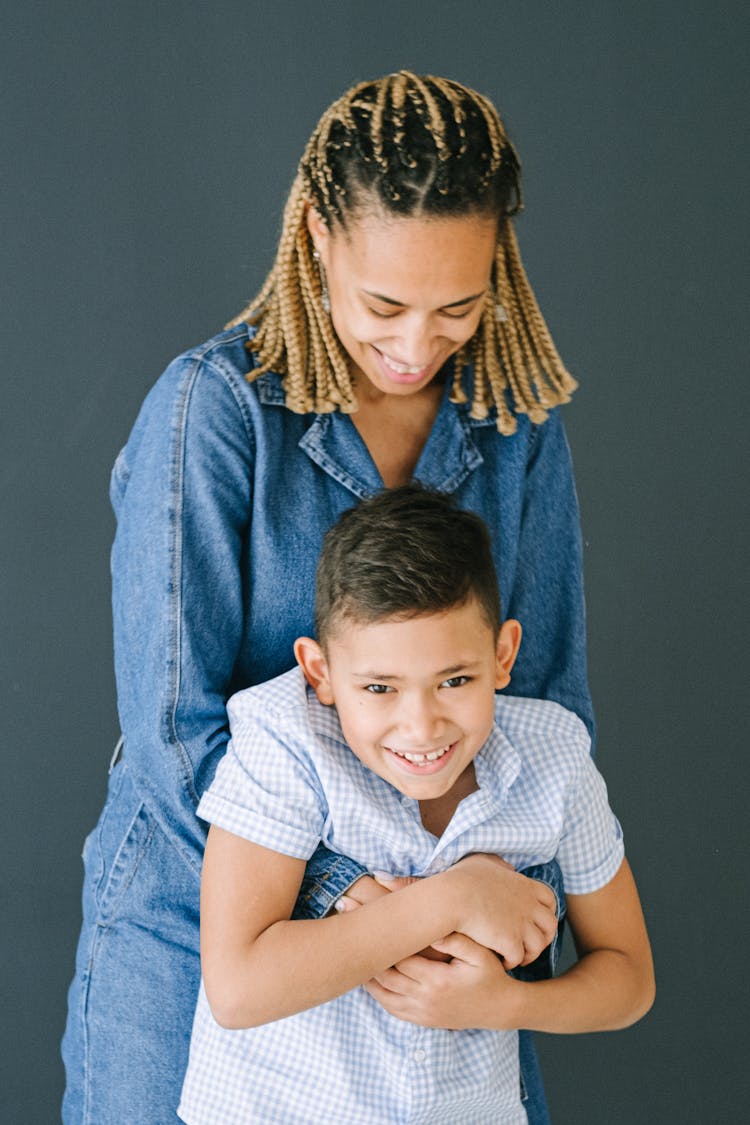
400, 304
466, 666
441, 673
381, 677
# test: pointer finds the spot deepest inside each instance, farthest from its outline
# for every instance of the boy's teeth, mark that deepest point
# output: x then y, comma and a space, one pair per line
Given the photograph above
417, 758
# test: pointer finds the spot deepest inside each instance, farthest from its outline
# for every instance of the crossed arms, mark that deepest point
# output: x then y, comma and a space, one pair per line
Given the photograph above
259, 966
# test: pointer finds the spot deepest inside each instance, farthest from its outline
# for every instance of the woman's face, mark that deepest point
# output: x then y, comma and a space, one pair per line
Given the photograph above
405, 293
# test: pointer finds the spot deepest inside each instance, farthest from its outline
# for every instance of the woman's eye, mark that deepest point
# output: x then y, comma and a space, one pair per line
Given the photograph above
382, 315
456, 315
456, 681
378, 689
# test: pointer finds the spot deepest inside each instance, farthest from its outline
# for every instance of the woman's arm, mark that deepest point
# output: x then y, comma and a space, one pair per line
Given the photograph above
182, 490
181, 493
259, 966
546, 595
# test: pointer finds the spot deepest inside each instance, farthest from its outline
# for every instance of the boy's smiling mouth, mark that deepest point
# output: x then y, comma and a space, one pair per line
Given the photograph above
421, 760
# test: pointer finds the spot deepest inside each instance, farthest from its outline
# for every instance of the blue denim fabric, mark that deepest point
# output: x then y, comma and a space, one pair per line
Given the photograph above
222, 497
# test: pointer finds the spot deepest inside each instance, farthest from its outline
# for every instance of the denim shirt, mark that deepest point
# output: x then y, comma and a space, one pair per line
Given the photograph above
222, 498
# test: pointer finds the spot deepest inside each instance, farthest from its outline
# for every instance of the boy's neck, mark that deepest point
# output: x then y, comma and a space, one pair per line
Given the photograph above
437, 813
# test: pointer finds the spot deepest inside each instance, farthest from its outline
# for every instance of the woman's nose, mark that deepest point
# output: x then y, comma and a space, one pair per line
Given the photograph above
417, 344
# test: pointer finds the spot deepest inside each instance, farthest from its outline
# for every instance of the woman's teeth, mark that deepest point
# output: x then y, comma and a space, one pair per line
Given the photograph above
401, 368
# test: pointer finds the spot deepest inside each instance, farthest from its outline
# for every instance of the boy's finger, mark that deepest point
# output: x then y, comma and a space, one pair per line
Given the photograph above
460, 948
393, 980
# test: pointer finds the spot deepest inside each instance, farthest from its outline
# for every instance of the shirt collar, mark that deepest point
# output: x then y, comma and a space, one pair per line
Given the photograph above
497, 765
333, 443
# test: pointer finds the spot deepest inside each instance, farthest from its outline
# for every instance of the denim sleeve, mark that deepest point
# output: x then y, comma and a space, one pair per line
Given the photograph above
547, 597
181, 490
181, 493
544, 966
327, 877
547, 594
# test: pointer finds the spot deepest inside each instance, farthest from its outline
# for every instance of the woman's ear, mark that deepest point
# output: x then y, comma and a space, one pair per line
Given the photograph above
508, 643
317, 229
312, 661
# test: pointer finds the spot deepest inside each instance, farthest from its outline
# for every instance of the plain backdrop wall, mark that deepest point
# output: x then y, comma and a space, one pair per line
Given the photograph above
146, 152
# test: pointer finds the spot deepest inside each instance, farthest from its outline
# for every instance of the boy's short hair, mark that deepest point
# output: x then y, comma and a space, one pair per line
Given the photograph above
401, 553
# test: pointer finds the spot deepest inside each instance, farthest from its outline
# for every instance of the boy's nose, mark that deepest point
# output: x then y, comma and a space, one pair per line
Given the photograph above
421, 723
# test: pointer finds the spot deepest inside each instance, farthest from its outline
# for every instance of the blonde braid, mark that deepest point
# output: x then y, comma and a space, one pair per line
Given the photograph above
560, 383
404, 144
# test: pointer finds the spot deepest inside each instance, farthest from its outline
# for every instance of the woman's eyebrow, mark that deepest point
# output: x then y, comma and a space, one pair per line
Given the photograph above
400, 304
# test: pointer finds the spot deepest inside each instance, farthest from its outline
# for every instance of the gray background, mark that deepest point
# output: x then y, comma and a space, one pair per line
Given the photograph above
146, 152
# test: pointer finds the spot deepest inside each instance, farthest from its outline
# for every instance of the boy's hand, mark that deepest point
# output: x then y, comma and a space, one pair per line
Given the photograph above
504, 910
368, 889
523, 909
472, 990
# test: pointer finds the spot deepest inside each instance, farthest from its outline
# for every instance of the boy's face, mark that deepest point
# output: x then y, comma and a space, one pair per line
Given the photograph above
415, 696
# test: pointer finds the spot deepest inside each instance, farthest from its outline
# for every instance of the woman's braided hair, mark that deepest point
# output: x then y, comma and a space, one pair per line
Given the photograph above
408, 145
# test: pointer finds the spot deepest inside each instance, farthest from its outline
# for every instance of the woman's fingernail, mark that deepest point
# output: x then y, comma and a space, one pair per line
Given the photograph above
341, 905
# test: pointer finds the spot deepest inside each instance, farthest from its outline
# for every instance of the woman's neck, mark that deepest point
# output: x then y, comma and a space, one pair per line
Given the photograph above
395, 428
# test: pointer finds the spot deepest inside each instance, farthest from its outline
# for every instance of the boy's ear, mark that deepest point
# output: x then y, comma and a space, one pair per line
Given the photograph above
312, 661
508, 643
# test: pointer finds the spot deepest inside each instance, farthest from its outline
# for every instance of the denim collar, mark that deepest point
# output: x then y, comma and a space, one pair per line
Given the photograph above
333, 442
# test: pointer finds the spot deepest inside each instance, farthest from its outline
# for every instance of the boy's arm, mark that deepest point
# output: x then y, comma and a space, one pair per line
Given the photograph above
537, 941
612, 983
609, 987
259, 966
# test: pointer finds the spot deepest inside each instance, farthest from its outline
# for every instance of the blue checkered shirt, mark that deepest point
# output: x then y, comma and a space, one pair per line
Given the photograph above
289, 781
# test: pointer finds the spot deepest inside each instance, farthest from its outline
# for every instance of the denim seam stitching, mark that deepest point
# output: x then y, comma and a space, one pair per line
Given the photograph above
175, 599
174, 674
98, 931
105, 919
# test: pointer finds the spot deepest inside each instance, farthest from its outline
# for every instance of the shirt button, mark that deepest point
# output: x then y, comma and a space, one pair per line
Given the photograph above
419, 1055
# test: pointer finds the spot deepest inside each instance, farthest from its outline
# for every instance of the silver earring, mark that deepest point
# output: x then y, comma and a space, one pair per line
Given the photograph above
325, 298
500, 313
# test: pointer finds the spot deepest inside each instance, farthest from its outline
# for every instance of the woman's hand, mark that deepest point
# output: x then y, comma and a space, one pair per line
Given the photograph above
368, 889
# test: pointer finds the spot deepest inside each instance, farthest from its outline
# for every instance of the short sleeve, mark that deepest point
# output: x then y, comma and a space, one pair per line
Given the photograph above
591, 847
266, 788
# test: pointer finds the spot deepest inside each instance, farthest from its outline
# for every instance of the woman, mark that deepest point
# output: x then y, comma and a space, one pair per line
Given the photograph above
396, 336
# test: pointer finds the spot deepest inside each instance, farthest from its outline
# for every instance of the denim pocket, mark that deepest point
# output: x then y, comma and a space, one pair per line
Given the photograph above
122, 835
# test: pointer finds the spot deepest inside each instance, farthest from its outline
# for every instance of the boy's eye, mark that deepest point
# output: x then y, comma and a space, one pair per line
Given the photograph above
455, 681
378, 689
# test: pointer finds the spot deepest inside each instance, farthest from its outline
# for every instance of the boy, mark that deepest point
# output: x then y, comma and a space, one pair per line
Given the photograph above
391, 747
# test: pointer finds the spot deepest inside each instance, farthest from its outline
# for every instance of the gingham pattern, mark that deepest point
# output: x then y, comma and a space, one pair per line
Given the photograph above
287, 782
